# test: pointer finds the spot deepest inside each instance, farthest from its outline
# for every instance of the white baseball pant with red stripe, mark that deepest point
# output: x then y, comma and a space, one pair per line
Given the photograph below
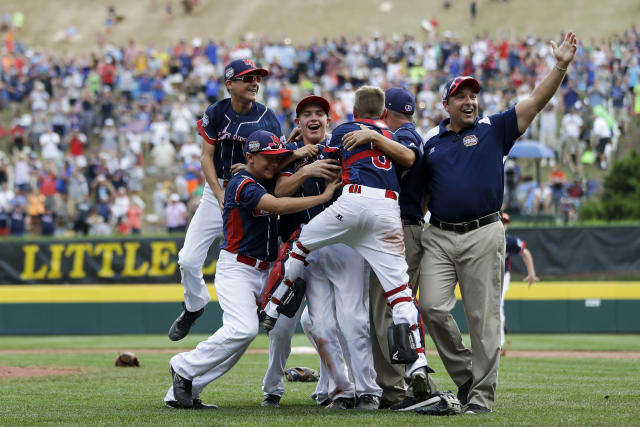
204, 227
368, 220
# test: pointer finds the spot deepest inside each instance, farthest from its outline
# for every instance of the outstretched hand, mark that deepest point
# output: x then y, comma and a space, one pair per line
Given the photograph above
531, 279
566, 51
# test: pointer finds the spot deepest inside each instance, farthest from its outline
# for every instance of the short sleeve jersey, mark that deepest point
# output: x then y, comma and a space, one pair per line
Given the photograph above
515, 246
248, 230
413, 181
227, 130
465, 169
366, 165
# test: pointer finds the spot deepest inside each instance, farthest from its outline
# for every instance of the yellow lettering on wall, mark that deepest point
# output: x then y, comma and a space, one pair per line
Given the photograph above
130, 270
29, 273
161, 264
78, 251
211, 268
107, 249
55, 265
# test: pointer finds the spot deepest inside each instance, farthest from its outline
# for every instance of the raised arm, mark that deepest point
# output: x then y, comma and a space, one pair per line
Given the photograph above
527, 109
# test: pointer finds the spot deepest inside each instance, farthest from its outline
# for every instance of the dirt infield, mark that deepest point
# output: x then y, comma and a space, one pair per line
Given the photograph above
13, 372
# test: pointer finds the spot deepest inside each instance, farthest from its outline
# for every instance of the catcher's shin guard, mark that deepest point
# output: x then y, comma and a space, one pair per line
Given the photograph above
402, 344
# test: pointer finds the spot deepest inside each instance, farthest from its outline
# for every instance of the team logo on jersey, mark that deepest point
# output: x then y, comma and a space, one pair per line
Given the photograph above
205, 120
229, 73
431, 151
470, 140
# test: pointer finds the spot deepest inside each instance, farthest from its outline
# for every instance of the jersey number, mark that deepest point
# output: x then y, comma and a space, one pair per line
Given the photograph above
381, 162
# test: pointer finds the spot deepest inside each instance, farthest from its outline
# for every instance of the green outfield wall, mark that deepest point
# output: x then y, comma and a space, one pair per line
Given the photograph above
561, 307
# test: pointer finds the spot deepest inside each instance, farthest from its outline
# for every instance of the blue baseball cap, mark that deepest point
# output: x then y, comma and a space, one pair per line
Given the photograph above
400, 100
454, 84
240, 67
264, 142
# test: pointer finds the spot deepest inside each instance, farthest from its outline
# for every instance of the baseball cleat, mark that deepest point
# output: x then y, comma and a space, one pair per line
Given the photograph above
463, 392
197, 404
271, 401
181, 389
473, 409
419, 382
181, 326
342, 403
266, 322
368, 402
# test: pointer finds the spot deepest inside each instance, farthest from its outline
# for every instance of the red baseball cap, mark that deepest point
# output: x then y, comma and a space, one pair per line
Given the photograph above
313, 99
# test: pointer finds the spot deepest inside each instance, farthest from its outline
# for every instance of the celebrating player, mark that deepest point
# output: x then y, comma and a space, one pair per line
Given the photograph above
366, 217
249, 246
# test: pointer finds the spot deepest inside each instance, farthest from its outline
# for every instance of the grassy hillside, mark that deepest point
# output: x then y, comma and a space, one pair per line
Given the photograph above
148, 22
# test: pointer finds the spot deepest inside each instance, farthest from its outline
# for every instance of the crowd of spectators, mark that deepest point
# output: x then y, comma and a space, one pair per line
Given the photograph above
85, 133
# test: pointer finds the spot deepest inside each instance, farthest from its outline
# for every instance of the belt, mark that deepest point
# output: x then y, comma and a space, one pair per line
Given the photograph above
412, 221
464, 227
260, 265
370, 192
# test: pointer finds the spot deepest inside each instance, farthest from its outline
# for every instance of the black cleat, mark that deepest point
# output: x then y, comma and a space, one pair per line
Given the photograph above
271, 401
474, 409
266, 322
463, 392
197, 404
181, 326
341, 403
181, 390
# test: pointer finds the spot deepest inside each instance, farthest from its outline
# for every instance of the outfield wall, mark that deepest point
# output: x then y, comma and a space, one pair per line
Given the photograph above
110, 286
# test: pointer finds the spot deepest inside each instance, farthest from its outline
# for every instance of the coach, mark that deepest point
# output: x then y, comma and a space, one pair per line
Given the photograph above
465, 243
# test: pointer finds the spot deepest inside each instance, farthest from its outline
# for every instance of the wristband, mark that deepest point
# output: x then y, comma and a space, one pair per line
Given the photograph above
562, 70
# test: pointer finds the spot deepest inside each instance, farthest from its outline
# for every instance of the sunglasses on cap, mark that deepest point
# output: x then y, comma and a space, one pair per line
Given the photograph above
249, 78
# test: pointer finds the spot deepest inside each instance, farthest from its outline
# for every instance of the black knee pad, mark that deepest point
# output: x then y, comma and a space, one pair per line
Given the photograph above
402, 345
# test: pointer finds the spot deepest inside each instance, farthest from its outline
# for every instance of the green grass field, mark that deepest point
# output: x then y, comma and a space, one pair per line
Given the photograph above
574, 391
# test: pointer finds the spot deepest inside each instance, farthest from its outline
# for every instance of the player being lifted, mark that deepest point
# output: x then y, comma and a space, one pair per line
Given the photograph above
366, 217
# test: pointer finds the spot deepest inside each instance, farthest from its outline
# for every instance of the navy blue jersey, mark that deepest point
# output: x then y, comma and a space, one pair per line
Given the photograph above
515, 246
413, 181
227, 130
366, 165
465, 169
311, 187
248, 230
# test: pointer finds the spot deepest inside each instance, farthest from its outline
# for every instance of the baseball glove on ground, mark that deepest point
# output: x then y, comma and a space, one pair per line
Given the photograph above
301, 374
447, 405
127, 359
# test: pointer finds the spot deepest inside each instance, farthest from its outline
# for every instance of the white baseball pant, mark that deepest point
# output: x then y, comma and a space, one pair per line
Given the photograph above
369, 222
239, 288
505, 288
204, 227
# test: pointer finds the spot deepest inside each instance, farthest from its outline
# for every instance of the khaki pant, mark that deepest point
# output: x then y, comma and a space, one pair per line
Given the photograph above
390, 377
475, 260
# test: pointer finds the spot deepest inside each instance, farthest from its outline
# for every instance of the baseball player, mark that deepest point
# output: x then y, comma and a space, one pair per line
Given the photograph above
336, 286
249, 246
224, 127
366, 217
514, 246
398, 115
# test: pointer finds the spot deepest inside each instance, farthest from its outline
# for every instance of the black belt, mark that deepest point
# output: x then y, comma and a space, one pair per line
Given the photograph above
464, 227
412, 221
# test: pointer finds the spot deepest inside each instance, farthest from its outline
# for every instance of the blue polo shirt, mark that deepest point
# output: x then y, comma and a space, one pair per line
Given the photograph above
413, 180
246, 229
466, 170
